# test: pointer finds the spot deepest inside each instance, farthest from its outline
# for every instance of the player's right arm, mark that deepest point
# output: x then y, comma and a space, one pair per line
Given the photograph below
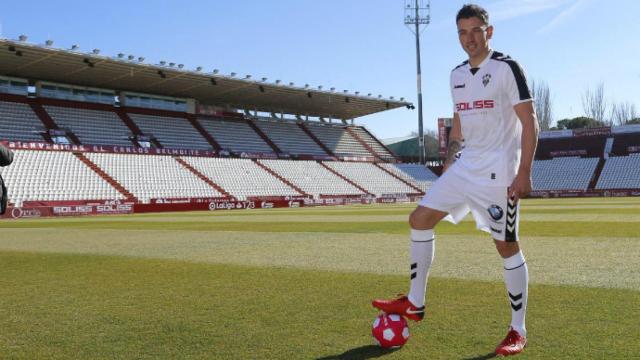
455, 142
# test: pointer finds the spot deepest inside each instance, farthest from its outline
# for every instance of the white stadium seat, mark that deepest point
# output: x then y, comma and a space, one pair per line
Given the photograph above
311, 177
289, 137
368, 176
18, 122
418, 175
338, 140
153, 176
171, 132
620, 172
235, 135
241, 178
52, 176
563, 173
91, 126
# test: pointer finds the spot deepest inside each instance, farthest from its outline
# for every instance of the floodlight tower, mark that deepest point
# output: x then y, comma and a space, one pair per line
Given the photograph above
416, 17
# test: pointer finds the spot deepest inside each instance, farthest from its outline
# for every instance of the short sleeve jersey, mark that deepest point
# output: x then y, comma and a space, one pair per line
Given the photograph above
484, 98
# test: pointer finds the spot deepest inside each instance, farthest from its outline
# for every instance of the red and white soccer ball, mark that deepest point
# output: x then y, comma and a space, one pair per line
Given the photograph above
390, 331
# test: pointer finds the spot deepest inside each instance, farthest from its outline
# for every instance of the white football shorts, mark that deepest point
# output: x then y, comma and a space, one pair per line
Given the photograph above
490, 206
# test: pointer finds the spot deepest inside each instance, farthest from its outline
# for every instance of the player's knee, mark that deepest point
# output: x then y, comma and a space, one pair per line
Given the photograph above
414, 220
507, 249
422, 219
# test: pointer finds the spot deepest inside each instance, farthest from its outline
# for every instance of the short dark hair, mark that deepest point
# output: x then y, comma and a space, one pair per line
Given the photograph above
473, 10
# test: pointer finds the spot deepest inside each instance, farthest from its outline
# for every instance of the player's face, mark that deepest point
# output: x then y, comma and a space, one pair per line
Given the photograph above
474, 36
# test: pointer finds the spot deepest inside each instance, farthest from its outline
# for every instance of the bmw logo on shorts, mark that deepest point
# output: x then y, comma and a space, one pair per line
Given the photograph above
496, 212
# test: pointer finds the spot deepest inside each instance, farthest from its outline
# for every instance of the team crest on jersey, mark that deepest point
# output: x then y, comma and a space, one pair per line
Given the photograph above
485, 79
496, 212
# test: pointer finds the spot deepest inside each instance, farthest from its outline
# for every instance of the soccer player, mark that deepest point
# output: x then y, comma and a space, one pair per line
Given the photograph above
495, 120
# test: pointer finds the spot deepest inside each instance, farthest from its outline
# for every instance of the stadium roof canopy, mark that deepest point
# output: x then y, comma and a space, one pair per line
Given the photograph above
126, 73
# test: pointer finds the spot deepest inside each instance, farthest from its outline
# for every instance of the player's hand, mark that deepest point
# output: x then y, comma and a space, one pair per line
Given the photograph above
521, 186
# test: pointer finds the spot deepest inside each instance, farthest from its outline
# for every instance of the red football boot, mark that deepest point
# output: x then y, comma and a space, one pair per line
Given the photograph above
513, 344
401, 306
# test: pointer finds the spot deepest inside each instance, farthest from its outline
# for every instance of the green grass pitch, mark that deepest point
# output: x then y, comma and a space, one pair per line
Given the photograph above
297, 284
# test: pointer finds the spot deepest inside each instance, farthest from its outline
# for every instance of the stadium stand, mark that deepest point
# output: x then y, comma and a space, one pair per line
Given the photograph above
563, 173
171, 132
368, 176
234, 135
194, 145
19, 122
53, 176
620, 172
338, 140
91, 126
242, 178
312, 178
153, 176
289, 137
416, 174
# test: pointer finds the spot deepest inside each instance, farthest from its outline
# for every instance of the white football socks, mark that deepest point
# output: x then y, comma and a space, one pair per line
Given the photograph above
516, 277
422, 251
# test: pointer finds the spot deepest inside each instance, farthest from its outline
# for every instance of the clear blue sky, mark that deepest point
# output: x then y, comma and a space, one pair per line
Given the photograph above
358, 45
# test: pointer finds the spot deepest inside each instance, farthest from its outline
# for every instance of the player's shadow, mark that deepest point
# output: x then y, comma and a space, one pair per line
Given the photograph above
490, 355
360, 353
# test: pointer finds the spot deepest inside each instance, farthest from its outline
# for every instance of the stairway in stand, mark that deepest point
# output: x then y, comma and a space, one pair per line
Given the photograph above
121, 189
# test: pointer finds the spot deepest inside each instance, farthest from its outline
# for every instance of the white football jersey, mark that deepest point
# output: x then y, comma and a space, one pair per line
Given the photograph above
484, 98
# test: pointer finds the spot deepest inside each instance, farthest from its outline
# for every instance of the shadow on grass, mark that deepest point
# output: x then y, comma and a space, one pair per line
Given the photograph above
362, 352
490, 355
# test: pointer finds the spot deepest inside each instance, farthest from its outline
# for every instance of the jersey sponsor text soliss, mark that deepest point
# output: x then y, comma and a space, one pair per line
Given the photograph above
478, 104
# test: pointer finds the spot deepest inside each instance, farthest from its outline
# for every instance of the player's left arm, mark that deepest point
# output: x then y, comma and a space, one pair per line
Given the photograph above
522, 184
